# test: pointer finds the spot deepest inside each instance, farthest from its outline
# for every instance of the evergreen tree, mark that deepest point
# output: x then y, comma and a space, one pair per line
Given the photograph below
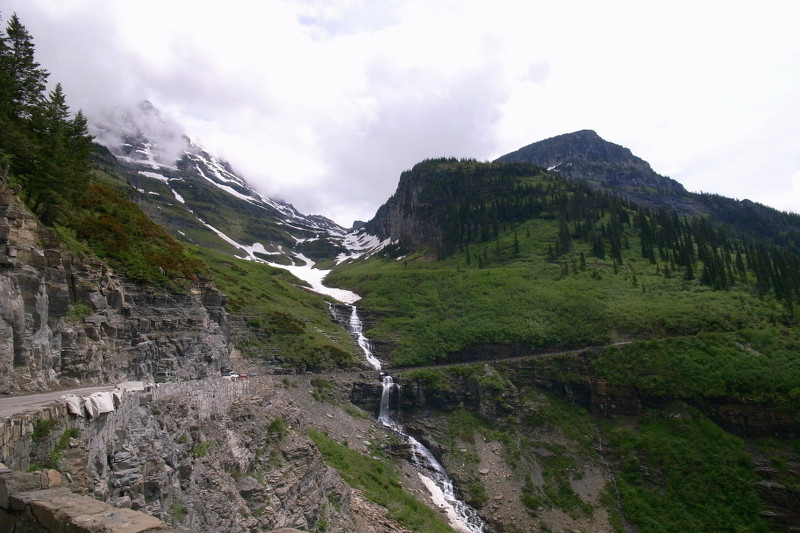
27, 78
44, 150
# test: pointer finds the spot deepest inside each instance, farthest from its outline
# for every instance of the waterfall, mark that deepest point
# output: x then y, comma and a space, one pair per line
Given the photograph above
461, 516
383, 415
357, 331
354, 325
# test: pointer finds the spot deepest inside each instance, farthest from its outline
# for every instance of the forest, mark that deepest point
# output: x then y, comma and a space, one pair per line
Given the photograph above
471, 204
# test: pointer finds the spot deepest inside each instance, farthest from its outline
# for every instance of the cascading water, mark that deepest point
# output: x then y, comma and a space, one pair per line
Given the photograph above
461, 516
357, 331
356, 328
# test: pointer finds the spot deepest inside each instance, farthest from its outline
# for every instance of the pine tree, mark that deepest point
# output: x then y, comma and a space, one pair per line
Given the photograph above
49, 152
27, 77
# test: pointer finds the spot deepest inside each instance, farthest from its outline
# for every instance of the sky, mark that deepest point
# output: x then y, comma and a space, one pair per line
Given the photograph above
324, 104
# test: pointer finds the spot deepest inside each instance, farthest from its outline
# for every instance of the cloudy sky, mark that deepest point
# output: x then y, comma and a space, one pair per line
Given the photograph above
324, 103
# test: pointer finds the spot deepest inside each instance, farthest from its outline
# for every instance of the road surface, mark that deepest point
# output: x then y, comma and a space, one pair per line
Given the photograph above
10, 406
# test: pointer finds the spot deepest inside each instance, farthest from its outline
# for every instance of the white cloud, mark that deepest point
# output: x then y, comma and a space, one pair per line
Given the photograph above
324, 103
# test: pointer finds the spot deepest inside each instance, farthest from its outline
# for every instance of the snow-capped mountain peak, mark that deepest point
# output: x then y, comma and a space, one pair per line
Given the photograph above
200, 198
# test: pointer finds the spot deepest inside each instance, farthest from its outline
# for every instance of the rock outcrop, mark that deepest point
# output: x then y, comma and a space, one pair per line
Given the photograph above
208, 455
69, 320
37, 502
585, 156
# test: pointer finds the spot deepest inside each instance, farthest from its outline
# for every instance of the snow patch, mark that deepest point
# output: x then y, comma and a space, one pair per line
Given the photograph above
306, 272
361, 244
178, 196
155, 176
315, 277
437, 496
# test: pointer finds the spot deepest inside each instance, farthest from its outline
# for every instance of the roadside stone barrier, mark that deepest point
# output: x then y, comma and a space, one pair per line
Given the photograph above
36, 502
41, 500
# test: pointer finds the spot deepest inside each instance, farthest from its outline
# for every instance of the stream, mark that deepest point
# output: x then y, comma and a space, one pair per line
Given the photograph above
460, 515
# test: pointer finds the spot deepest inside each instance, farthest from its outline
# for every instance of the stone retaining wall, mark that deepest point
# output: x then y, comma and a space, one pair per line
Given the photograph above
31, 438
36, 502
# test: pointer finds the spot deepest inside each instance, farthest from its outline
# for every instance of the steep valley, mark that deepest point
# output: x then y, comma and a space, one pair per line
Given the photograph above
551, 346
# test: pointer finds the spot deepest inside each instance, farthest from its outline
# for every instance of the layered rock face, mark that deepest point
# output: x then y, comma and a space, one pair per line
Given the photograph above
66, 321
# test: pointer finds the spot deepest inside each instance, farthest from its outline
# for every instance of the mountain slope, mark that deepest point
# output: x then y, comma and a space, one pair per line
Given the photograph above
198, 196
202, 200
676, 335
585, 156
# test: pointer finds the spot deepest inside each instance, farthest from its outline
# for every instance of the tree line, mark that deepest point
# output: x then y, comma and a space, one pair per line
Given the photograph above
46, 155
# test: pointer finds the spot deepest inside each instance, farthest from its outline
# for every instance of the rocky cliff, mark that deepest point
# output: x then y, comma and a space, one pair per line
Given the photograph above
585, 156
208, 455
69, 320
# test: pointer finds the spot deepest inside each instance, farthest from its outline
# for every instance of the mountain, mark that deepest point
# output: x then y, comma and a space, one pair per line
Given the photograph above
574, 358
585, 156
201, 199
631, 366
442, 203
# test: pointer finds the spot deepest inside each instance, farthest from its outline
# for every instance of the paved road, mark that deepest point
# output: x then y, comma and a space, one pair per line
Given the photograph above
16, 404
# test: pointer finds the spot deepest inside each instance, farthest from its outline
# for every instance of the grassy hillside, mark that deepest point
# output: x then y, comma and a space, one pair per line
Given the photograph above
279, 323
686, 316
432, 309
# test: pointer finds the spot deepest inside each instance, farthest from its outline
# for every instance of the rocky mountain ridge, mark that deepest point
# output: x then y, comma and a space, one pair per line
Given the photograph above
441, 203
584, 156
201, 199
69, 320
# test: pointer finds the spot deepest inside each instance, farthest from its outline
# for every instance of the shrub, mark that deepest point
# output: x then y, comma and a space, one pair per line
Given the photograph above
201, 450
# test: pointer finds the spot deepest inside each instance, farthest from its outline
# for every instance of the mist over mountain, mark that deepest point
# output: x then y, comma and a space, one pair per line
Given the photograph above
202, 199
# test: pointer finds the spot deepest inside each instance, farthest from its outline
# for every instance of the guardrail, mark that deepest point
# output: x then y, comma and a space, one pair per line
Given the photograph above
214, 396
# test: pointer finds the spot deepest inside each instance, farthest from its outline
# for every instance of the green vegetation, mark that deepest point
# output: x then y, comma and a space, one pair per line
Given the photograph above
178, 512
284, 324
63, 443
526, 258
201, 450
77, 312
433, 310
42, 148
746, 365
117, 230
277, 428
681, 472
380, 483
42, 428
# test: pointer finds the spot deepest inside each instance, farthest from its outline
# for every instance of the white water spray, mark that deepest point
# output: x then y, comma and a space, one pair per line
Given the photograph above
357, 331
461, 516
354, 325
